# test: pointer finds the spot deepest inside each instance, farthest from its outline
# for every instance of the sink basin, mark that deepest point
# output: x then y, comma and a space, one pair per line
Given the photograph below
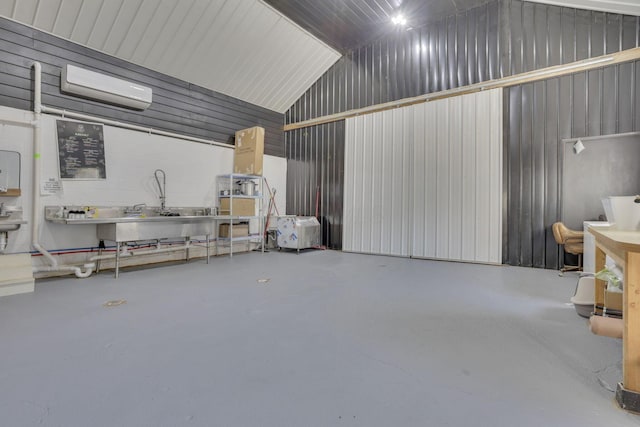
121, 214
11, 220
10, 225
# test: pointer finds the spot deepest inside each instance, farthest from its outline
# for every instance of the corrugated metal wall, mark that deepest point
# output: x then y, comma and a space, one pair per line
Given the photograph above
539, 115
315, 177
177, 105
496, 40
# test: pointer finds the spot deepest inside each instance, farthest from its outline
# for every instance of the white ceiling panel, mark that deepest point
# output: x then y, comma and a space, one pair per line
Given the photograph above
106, 16
25, 10
158, 21
168, 34
121, 26
86, 21
6, 8
137, 32
242, 48
45, 14
66, 16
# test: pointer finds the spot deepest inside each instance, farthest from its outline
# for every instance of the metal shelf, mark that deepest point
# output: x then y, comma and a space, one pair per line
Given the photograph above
227, 183
240, 176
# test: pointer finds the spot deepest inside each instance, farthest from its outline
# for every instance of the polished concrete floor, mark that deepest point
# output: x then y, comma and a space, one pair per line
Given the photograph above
324, 339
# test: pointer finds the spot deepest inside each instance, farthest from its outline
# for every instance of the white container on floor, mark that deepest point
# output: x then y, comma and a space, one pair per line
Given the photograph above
584, 298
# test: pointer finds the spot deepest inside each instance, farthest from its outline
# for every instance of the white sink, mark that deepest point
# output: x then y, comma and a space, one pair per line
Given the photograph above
11, 220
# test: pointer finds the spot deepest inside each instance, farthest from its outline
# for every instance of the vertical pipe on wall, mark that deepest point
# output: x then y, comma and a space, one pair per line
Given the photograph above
35, 200
36, 217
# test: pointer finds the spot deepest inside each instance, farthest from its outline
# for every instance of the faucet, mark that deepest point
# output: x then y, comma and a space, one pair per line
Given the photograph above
135, 209
139, 207
161, 187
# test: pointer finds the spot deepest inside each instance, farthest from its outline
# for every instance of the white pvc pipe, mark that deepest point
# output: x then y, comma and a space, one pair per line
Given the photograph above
76, 270
27, 124
80, 116
35, 207
147, 252
37, 90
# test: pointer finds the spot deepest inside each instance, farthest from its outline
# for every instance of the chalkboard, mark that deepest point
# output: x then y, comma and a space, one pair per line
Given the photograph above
81, 150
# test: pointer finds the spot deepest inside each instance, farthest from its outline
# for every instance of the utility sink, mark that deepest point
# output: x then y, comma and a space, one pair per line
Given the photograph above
11, 219
121, 214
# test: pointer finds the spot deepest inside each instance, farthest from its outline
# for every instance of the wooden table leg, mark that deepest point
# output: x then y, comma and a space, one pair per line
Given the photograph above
628, 393
601, 285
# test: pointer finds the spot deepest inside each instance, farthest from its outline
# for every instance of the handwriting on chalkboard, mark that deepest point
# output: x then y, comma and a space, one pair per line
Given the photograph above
81, 150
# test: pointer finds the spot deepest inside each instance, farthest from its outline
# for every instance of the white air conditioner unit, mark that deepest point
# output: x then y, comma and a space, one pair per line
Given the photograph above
89, 84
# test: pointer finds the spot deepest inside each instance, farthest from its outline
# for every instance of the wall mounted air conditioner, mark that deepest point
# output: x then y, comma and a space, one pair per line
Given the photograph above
89, 84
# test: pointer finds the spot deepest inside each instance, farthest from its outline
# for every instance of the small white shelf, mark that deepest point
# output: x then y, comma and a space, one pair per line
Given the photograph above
239, 196
240, 176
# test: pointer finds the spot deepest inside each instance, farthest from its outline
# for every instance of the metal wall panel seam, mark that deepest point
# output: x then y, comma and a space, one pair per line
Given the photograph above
633, 91
601, 102
487, 74
616, 91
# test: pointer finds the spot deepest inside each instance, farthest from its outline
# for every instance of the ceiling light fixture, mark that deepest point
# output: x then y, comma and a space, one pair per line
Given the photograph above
399, 19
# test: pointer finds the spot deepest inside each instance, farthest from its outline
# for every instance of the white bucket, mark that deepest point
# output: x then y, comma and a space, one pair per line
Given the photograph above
584, 298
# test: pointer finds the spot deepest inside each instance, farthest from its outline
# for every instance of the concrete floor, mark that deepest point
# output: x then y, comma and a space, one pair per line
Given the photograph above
332, 339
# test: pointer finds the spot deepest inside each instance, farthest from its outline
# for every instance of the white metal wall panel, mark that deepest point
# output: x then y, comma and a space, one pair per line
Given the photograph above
426, 180
242, 48
496, 178
377, 182
469, 192
467, 185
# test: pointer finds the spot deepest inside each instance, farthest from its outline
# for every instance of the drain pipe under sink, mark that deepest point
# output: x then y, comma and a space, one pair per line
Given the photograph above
36, 217
184, 247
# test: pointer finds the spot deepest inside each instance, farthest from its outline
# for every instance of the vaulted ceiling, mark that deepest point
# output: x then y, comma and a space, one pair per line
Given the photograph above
267, 52
242, 48
347, 24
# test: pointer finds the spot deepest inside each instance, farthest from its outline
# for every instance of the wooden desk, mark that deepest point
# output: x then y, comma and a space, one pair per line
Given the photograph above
624, 248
